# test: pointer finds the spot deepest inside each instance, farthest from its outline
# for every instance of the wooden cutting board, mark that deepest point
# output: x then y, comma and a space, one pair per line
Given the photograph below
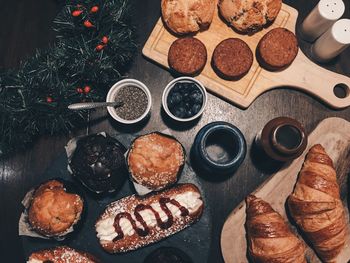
334, 135
302, 74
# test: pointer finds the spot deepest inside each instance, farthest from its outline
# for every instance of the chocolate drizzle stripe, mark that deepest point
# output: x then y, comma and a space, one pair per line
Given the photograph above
141, 207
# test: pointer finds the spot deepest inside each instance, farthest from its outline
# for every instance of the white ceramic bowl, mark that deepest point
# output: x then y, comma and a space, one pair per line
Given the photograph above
168, 89
112, 95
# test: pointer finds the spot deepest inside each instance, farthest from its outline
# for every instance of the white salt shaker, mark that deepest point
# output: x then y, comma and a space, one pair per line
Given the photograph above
333, 42
321, 18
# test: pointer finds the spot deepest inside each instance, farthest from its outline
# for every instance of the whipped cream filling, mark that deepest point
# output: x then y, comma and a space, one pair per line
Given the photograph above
190, 200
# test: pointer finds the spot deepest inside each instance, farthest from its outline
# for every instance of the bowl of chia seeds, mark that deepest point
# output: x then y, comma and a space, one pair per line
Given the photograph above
136, 101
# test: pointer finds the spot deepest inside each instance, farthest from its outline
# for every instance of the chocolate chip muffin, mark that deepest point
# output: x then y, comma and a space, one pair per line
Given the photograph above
232, 59
187, 56
53, 211
155, 160
277, 49
99, 163
168, 255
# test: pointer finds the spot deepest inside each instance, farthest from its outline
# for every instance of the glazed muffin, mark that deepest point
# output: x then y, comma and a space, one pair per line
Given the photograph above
155, 160
53, 212
232, 59
98, 162
187, 56
168, 255
61, 255
187, 16
250, 15
277, 49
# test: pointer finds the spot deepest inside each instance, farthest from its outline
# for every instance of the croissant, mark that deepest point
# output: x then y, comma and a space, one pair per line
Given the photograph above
316, 206
270, 240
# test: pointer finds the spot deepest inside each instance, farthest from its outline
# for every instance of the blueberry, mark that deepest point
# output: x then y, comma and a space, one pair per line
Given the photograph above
189, 114
177, 98
193, 87
180, 112
170, 101
197, 97
196, 108
177, 87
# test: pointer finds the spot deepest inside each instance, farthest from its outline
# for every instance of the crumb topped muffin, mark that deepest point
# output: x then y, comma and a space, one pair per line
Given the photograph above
155, 160
53, 211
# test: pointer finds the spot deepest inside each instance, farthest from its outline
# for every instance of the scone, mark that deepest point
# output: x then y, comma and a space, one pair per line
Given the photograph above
187, 16
249, 15
53, 211
61, 255
155, 160
187, 56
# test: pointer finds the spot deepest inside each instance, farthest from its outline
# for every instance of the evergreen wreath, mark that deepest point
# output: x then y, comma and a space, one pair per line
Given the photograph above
95, 42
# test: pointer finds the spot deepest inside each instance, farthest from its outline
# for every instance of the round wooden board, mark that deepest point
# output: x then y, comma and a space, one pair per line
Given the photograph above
334, 135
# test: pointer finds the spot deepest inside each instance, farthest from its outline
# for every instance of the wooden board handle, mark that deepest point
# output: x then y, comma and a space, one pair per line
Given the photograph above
321, 82
311, 78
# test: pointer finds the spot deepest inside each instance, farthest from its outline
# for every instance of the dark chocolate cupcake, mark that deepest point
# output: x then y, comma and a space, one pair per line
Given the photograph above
168, 255
99, 163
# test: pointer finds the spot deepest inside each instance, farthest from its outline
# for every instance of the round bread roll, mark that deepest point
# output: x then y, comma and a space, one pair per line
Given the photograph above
277, 49
187, 56
232, 59
249, 15
187, 16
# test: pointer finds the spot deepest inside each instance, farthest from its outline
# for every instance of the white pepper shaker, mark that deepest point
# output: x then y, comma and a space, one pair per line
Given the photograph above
321, 18
333, 42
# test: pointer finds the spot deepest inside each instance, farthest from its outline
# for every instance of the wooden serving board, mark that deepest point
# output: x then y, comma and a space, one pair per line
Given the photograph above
303, 74
334, 135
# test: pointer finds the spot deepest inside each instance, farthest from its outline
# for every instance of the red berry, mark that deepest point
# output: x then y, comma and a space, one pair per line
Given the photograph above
79, 90
105, 40
77, 13
94, 9
87, 23
99, 47
87, 89
49, 99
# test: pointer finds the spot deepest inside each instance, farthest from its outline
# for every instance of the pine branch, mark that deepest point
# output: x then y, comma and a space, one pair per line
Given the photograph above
34, 99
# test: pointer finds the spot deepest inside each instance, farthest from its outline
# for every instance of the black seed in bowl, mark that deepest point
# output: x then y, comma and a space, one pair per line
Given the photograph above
185, 100
135, 102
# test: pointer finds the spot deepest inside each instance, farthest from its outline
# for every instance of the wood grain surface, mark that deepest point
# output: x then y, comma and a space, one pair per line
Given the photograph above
25, 25
302, 74
333, 134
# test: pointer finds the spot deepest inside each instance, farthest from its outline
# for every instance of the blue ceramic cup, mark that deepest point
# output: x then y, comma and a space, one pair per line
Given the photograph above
219, 147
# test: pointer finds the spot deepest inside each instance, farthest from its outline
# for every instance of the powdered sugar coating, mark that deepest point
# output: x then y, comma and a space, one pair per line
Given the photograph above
61, 255
128, 204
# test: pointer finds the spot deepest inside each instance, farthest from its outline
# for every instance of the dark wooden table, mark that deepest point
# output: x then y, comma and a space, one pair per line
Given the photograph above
26, 25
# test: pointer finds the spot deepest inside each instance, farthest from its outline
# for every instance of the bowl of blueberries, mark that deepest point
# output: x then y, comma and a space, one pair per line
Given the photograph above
184, 99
